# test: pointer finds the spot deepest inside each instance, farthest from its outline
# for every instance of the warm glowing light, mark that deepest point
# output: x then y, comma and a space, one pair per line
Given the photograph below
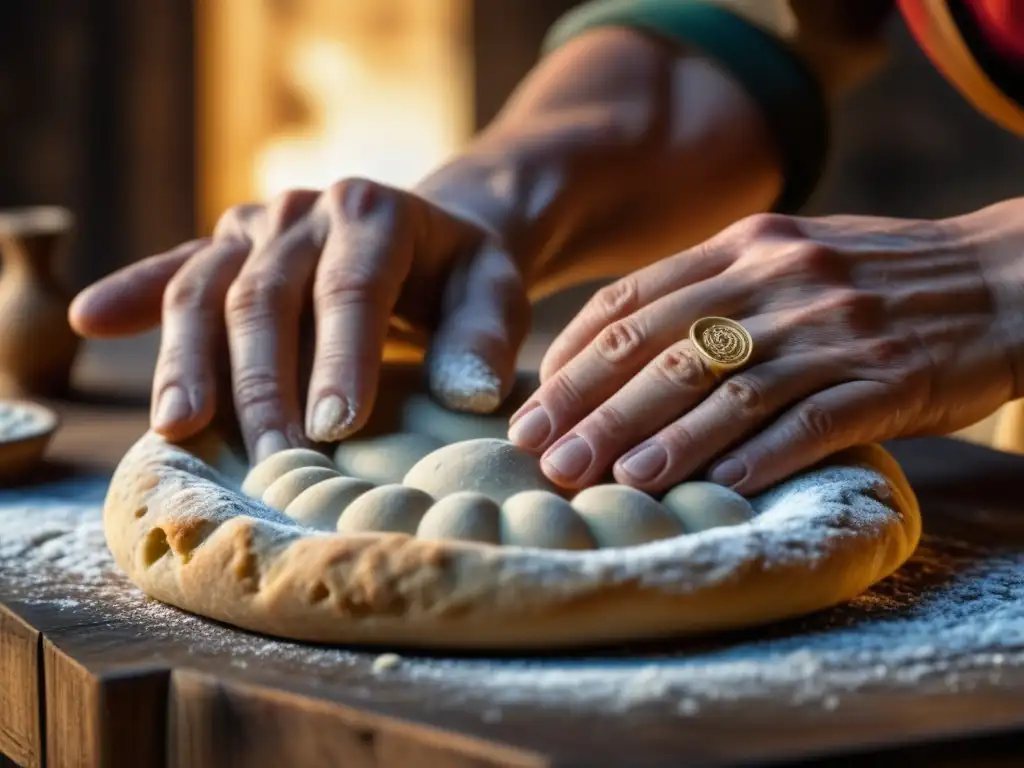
306, 93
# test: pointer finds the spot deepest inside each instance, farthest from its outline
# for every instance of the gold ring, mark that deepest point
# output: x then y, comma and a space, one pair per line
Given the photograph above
724, 344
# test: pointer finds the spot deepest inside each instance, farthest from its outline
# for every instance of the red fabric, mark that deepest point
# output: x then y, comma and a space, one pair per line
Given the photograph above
1002, 21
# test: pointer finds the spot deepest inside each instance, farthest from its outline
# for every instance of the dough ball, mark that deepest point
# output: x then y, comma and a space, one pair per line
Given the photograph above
542, 519
288, 486
422, 414
495, 468
620, 516
465, 516
385, 459
387, 508
267, 471
701, 505
321, 505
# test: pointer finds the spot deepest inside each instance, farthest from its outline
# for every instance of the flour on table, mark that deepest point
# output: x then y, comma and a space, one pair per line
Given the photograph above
951, 618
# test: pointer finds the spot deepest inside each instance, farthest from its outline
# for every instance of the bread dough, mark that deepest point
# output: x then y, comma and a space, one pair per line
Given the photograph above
267, 471
620, 516
385, 458
700, 506
493, 467
542, 519
463, 516
287, 487
320, 505
607, 565
386, 508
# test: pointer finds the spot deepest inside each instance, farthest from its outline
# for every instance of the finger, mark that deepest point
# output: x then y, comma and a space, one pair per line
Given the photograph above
737, 407
850, 414
184, 383
365, 261
486, 315
618, 353
622, 298
128, 301
262, 313
673, 383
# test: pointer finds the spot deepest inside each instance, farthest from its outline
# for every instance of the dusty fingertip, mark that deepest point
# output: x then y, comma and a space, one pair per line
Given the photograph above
330, 418
463, 381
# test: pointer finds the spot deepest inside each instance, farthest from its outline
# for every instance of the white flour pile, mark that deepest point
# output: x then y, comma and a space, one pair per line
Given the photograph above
952, 617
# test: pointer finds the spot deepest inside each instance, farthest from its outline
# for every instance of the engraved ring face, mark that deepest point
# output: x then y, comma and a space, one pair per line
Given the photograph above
723, 343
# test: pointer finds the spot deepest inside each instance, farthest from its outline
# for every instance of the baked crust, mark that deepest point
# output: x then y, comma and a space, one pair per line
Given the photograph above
178, 524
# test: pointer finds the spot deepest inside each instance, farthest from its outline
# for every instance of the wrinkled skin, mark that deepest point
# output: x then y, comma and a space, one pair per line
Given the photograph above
359, 254
864, 329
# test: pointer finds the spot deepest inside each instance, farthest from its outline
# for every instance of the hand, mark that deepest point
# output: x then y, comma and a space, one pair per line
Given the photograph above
864, 329
356, 254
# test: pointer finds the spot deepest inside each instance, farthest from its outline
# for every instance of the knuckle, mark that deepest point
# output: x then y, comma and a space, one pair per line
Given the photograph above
806, 259
261, 293
256, 387
744, 395
814, 421
174, 360
289, 206
677, 439
620, 340
618, 298
609, 420
681, 367
761, 226
346, 286
563, 393
356, 195
185, 293
888, 351
234, 220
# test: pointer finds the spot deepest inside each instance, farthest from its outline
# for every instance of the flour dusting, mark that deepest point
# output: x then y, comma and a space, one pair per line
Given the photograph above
952, 618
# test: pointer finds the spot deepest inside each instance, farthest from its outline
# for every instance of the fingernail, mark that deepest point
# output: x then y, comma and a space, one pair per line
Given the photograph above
570, 459
728, 472
531, 429
270, 443
645, 462
172, 407
329, 419
464, 381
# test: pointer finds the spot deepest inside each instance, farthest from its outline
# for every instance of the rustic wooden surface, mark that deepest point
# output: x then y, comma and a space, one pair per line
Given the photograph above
78, 689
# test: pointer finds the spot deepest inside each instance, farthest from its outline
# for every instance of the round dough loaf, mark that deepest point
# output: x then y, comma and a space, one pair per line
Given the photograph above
700, 505
463, 516
321, 505
384, 459
386, 509
495, 468
620, 516
267, 471
288, 486
542, 519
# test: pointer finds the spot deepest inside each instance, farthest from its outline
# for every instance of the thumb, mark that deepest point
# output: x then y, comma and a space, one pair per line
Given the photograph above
485, 315
130, 300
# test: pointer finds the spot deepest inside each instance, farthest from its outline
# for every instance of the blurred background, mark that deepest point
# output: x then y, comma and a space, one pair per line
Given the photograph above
148, 119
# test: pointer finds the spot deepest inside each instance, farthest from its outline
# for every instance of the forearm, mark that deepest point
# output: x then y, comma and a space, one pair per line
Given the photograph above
619, 149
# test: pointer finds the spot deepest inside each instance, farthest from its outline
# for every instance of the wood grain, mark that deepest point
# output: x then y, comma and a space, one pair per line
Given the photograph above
20, 726
214, 723
100, 717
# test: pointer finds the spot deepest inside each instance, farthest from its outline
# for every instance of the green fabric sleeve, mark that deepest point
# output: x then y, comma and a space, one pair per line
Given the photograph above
790, 97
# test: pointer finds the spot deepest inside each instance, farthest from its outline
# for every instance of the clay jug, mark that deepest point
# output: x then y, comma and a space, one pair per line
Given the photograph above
37, 345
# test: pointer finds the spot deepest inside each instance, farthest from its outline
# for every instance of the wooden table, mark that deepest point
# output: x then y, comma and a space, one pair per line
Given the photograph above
80, 688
